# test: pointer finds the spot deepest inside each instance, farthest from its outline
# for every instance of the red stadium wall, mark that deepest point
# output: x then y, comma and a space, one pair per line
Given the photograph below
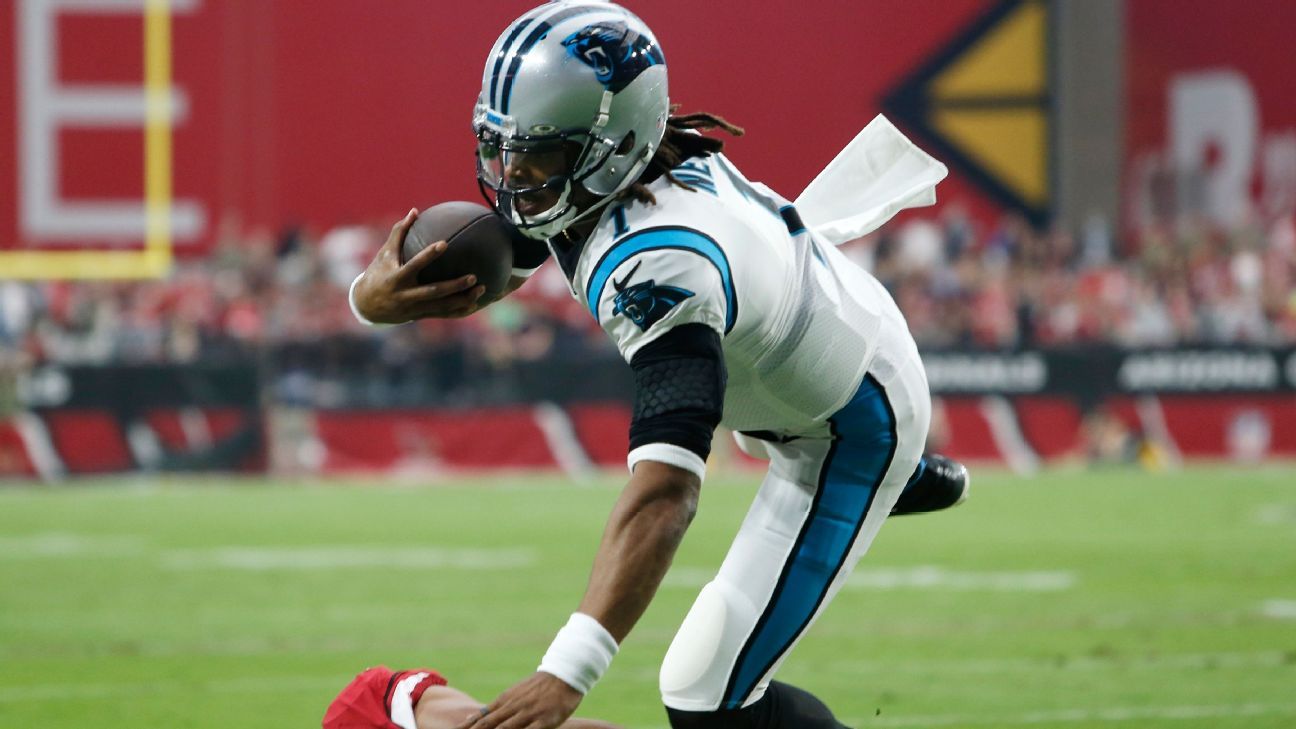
1209, 108
1209, 427
335, 111
422, 443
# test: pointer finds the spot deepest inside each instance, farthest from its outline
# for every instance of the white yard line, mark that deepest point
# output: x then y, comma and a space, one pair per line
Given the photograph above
46, 545
921, 577
321, 558
1150, 662
1083, 715
91, 691
67, 545
1276, 514
1279, 609
938, 578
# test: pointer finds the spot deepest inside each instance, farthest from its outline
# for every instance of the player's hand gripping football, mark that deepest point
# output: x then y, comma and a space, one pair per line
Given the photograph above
539, 702
389, 293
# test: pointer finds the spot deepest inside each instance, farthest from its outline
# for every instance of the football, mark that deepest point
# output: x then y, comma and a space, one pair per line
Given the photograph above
477, 241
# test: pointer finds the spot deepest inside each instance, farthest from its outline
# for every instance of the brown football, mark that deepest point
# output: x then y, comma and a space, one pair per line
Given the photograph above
477, 241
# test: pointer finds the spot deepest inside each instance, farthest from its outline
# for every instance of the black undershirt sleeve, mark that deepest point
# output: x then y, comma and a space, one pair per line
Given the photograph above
679, 389
528, 253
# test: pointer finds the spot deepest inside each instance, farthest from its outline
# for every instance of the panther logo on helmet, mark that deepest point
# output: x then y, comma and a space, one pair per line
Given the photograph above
616, 53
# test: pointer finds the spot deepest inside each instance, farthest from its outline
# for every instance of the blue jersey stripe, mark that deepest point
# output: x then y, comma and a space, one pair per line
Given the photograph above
652, 239
701, 183
864, 444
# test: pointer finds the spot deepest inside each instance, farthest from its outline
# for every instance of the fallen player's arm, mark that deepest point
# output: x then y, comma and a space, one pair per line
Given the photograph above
442, 707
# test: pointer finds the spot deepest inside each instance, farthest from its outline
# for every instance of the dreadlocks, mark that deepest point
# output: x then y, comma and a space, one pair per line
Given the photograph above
678, 145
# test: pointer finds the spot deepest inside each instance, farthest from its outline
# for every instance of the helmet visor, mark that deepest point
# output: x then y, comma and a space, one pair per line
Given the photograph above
528, 177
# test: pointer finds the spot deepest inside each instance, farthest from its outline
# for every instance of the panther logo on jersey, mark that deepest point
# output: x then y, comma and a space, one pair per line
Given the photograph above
645, 303
616, 53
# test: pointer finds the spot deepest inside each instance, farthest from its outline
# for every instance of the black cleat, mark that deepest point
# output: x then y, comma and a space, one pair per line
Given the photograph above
943, 483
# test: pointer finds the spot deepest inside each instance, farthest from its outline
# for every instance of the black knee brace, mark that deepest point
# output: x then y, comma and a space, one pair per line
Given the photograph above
782, 707
718, 719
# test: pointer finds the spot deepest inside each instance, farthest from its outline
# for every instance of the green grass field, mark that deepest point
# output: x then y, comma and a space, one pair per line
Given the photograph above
1070, 600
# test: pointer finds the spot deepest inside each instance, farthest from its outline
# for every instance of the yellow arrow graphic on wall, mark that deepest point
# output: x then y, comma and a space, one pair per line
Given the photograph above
984, 102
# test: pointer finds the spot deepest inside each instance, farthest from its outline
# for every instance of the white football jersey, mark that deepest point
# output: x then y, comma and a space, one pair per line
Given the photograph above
800, 324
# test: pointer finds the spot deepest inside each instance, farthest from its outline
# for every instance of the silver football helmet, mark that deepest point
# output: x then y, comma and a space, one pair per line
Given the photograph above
574, 93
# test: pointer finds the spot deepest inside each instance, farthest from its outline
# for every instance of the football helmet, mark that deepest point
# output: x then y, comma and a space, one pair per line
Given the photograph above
573, 93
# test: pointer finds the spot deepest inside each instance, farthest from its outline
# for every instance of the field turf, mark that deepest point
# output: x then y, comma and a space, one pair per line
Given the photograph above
1068, 600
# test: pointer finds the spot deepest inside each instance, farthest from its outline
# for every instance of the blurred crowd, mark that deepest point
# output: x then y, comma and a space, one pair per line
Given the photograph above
1009, 285
1187, 282
256, 291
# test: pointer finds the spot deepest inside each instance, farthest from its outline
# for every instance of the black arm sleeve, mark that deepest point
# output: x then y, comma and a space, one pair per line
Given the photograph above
528, 253
679, 389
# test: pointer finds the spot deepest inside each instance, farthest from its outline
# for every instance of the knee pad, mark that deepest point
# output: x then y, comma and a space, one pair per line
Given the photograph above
696, 669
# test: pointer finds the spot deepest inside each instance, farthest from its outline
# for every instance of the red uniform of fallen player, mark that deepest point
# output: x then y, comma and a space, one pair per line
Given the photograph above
380, 698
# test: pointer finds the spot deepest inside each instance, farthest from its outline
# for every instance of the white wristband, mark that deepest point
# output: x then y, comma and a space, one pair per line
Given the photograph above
580, 654
355, 311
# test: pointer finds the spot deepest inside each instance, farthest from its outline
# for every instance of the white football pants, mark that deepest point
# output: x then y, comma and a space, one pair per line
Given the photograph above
818, 509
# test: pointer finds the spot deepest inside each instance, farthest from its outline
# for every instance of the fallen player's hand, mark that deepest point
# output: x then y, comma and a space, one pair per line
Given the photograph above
542, 701
389, 293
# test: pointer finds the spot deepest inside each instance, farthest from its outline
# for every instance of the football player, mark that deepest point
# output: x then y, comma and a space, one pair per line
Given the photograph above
729, 308
380, 698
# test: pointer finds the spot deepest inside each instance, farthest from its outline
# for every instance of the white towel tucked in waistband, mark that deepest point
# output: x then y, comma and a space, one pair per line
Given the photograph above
876, 176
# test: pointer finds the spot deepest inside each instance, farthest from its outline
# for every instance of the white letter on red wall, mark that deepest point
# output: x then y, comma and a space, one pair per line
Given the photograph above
46, 107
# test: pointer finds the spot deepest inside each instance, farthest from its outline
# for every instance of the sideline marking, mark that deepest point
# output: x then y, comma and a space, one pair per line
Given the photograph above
991, 666
922, 577
1280, 609
321, 558
1276, 514
934, 577
272, 684
67, 544
1061, 716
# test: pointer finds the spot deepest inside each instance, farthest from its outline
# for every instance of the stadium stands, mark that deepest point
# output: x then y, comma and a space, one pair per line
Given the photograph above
1185, 283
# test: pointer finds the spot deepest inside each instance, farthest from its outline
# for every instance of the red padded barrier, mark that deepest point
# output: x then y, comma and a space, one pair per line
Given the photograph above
1124, 409
1051, 425
222, 423
378, 440
1205, 425
14, 459
970, 438
166, 425
89, 441
603, 431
